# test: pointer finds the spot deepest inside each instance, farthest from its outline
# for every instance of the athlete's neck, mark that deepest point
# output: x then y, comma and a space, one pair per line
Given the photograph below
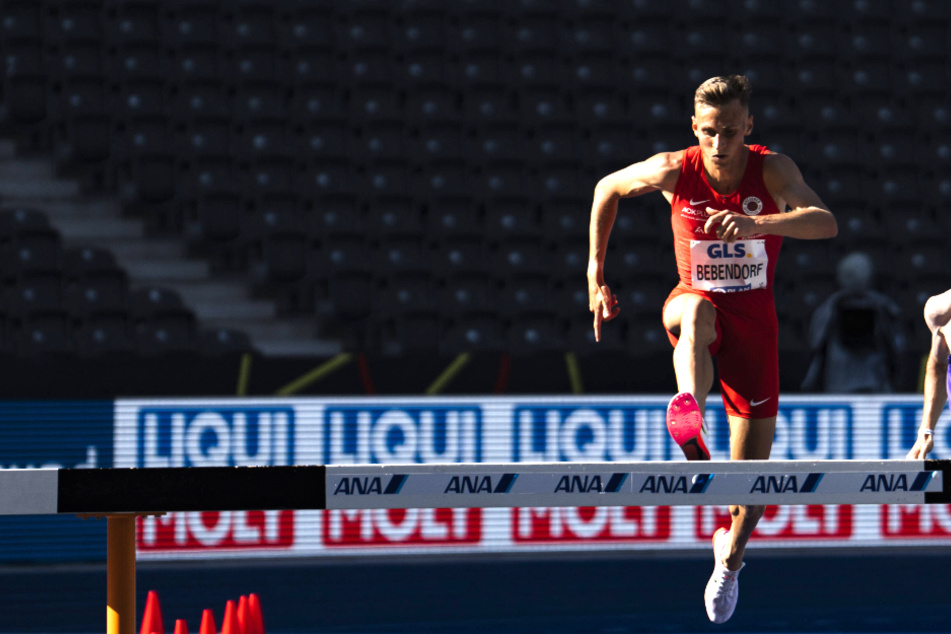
726, 178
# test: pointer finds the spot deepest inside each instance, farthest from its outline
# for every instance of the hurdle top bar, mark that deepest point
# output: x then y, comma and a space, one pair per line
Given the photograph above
470, 485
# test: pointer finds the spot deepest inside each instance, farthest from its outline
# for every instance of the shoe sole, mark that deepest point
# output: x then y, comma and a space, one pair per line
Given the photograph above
685, 425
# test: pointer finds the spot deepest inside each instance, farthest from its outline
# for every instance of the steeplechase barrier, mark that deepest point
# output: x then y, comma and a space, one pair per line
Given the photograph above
121, 494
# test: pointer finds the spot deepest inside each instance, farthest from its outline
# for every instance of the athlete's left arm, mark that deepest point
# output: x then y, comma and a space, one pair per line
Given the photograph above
808, 219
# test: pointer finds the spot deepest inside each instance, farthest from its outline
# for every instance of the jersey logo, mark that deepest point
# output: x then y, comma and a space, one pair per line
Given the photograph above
698, 202
752, 205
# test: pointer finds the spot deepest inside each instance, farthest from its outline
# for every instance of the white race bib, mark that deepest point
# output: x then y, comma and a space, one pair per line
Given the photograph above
728, 267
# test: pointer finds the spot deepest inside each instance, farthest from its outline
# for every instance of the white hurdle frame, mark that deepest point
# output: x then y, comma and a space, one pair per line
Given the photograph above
122, 494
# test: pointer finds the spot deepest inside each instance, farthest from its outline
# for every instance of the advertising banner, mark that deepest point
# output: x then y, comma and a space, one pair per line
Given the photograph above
493, 429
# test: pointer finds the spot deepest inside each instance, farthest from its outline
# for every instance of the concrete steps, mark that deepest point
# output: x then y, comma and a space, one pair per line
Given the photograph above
97, 221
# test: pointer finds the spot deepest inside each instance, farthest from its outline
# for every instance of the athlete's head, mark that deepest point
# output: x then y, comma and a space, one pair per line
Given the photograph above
722, 119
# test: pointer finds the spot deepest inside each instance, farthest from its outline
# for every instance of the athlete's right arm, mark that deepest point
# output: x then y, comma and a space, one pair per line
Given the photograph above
658, 173
938, 319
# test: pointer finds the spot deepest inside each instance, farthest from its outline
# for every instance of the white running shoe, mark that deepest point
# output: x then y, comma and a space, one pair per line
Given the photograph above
723, 589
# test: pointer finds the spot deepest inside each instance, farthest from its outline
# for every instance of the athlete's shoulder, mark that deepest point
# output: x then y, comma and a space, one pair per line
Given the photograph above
779, 166
668, 161
938, 312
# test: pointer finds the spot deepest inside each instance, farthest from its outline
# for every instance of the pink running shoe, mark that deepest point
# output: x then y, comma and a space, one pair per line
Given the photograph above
685, 425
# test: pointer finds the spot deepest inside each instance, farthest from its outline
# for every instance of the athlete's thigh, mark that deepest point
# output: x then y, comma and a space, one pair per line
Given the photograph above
748, 366
684, 306
751, 438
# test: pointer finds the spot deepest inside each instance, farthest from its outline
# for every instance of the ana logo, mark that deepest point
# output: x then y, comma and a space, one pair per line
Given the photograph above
752, 205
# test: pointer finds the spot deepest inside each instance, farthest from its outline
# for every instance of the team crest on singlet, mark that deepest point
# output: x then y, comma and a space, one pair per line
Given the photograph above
752, 205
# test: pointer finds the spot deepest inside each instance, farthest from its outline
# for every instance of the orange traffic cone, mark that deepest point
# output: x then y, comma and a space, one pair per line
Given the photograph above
243, 615
255, 618
152, 616
208, 623
230, 623
181, 627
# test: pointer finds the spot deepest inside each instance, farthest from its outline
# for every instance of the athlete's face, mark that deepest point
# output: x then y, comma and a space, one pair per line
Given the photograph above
722, 131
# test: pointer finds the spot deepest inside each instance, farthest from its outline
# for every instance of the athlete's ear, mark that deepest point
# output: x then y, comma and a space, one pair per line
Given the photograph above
749, 126
693, 125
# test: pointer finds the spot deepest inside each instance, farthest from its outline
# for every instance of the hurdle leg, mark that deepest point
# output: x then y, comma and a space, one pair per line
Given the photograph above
120, 570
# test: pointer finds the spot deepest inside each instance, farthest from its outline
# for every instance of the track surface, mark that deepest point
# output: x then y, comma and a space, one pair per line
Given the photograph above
897, 591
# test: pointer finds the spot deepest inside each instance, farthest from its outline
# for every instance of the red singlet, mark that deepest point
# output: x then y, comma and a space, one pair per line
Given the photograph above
737, 278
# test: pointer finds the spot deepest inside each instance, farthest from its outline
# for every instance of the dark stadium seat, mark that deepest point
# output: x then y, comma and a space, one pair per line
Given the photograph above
430, 104
170, 333
76, 20
474, 332
425, 69
493, 142
453, 216
520, 255
461, 254
196, 63
252, 25
395, 215
527, 292
500, 179
481, 69
218, 341
596, 33
510, 217
468, 292
32, 250
46, 333
649, 37
440, 141
553, 142
489, 105
343, 253
387, 178
364, 29
192, 23
317, 101
22, 21
103, 333
535, 332
842, 149
405, 292
38, 291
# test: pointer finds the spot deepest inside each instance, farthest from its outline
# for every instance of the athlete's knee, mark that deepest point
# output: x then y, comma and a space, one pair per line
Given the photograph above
698, 321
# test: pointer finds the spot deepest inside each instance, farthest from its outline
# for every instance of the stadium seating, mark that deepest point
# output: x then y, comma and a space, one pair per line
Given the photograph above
423, 170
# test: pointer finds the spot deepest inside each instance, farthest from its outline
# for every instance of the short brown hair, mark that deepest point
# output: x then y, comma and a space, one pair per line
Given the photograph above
719, 91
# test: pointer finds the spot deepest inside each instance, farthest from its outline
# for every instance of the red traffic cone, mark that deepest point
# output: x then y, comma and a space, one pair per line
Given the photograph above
152, 616
256, 619
208, 623
243, 619
230, 623
181, 627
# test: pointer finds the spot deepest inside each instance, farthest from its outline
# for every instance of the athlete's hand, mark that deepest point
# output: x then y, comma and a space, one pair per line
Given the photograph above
729, 225
601, 302
923, 446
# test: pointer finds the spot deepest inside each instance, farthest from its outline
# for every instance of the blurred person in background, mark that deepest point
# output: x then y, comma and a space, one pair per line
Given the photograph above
855, 335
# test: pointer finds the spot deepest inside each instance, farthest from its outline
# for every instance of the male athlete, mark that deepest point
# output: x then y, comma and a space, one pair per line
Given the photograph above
729, 215
937, 378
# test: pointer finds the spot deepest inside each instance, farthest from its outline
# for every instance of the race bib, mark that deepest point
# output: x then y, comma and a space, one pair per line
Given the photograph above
728, 267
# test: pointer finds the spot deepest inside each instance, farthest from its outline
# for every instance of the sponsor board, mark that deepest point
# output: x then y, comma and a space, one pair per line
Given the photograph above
211, 432
54, 434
